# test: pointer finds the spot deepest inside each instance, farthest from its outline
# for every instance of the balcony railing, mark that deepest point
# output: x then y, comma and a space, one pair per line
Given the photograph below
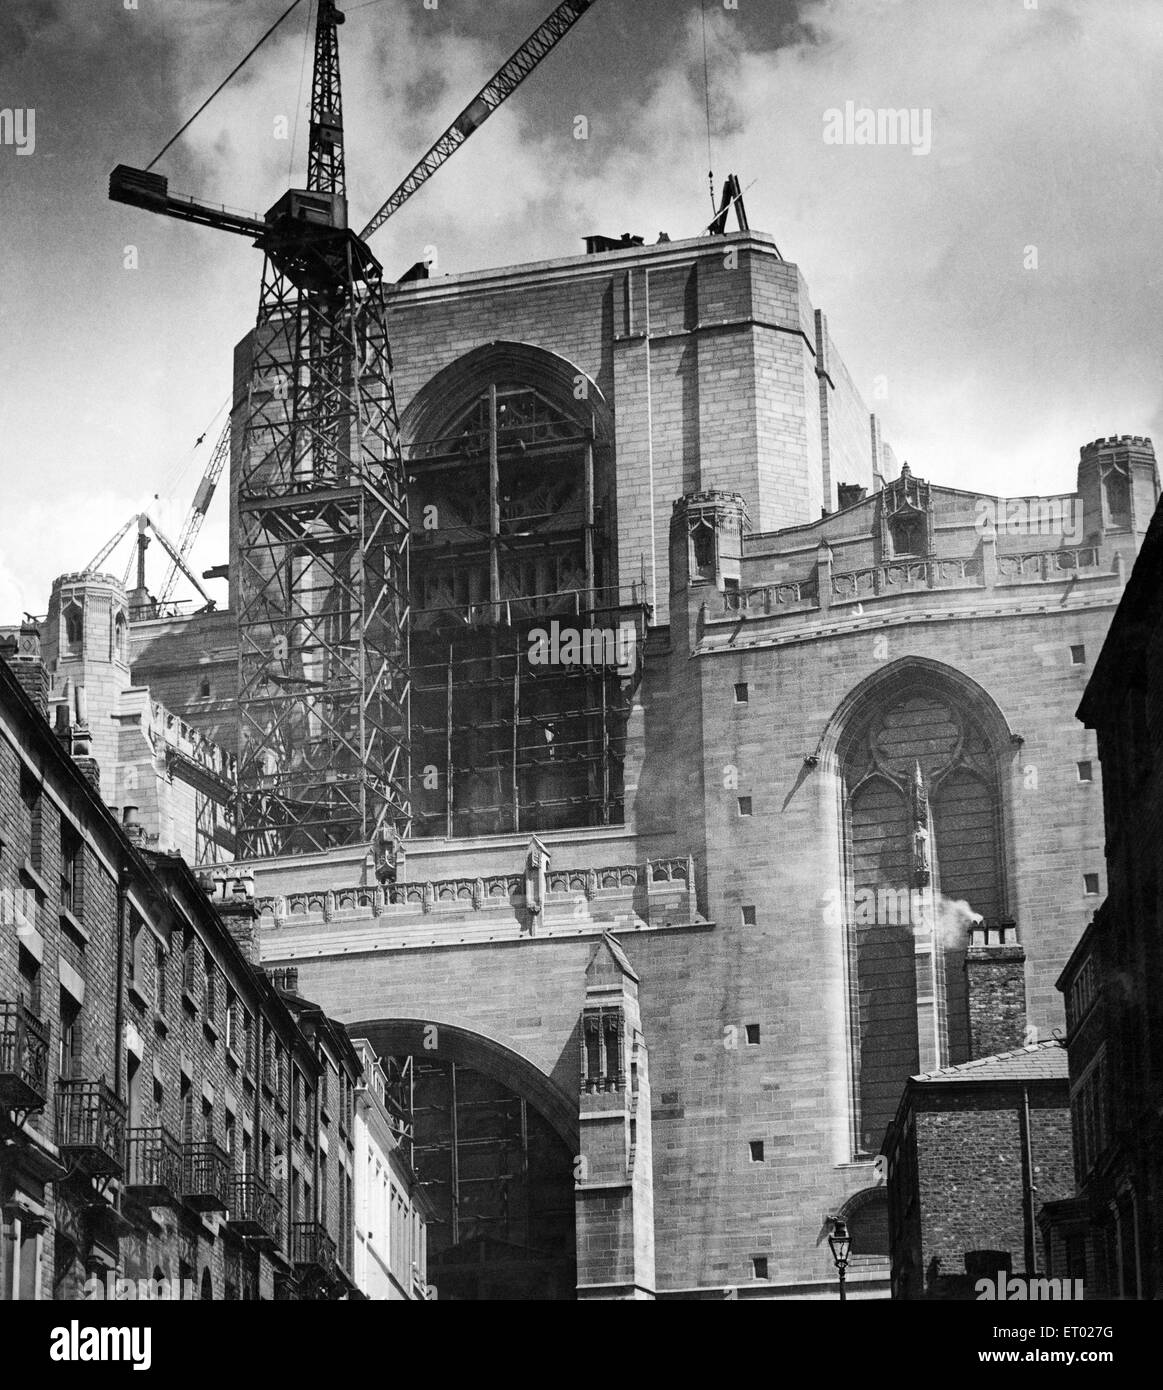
206, 1177
91, 1126
23, 1058
312, 1246
254, 1208
154, 1168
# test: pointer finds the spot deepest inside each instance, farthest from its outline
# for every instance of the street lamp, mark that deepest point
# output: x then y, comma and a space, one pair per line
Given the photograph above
840, 1242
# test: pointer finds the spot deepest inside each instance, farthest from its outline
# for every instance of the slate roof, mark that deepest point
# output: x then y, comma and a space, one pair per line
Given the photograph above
1041, 1061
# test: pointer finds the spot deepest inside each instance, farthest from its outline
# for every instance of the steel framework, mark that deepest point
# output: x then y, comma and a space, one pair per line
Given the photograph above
323, 518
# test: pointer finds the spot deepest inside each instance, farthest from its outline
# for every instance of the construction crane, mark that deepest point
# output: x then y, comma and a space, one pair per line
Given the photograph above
322, 602
498, 89
198, 510
144, 522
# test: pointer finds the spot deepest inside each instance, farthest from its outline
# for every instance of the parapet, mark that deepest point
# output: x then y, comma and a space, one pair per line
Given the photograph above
1118, 441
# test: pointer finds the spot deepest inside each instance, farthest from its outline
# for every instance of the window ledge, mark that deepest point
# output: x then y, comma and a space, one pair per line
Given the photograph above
138, 997
37, 881
211, 1028
190, 1002
72, 924
232, 1057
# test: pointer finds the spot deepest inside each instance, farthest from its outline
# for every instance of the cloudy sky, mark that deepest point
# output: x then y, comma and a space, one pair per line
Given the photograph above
1045, 123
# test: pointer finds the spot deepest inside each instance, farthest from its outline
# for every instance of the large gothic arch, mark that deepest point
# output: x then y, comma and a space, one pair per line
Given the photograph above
920, 759
512, 506
546, 371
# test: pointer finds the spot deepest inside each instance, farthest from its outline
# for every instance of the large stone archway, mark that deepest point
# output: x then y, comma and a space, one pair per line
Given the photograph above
494, 1145
448, 1042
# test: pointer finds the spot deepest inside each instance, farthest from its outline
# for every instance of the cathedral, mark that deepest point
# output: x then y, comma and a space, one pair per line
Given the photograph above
745, 778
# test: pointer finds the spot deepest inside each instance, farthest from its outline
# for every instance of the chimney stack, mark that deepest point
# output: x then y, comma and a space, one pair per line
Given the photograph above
28, 666
231, 891
285, 978
995, 981
133, 828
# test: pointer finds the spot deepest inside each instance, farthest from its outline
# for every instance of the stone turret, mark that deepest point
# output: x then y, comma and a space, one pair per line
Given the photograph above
706, 540
1119, 486
86, 646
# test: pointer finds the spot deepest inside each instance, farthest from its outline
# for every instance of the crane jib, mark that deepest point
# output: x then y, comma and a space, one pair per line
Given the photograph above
498, 89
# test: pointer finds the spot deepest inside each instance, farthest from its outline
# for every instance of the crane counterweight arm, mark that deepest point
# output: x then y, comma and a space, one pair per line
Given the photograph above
536, 47
141, 189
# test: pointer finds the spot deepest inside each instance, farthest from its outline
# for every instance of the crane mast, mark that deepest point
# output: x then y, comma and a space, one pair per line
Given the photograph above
323, 524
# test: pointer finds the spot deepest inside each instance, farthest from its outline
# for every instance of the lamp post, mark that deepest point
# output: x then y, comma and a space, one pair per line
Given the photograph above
840, 1242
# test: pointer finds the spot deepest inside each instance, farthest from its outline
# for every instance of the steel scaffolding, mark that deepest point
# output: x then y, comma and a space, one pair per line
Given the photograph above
323, 526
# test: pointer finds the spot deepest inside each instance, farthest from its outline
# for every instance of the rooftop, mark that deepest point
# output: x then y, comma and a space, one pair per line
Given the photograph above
1041, 1061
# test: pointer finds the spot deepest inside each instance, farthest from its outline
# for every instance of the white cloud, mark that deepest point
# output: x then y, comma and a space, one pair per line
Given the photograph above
1046, 128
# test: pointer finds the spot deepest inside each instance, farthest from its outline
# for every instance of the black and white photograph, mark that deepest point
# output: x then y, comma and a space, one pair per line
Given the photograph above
581, 666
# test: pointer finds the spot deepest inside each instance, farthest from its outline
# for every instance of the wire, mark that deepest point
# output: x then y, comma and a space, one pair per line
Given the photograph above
707, 102
299, 98
176, 473
238, 68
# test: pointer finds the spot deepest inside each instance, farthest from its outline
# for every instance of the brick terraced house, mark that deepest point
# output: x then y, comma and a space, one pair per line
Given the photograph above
1113, 1225
166, 1113
974, 1153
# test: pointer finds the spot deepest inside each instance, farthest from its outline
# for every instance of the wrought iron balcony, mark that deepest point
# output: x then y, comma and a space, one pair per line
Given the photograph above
254, 1208
206, 1177
312, 1247
91, 1126
23, 1058
154, 1170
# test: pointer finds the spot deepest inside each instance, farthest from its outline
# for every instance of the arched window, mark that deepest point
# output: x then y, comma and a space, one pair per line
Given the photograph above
1116, 491
923, 856
907, 530
510, 505
120, 637
73, 628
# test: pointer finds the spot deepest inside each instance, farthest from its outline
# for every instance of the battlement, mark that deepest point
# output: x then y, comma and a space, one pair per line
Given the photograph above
95, 578
1117, 441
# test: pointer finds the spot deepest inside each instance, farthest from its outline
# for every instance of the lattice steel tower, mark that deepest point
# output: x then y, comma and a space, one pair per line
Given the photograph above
323, 545
322, 588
